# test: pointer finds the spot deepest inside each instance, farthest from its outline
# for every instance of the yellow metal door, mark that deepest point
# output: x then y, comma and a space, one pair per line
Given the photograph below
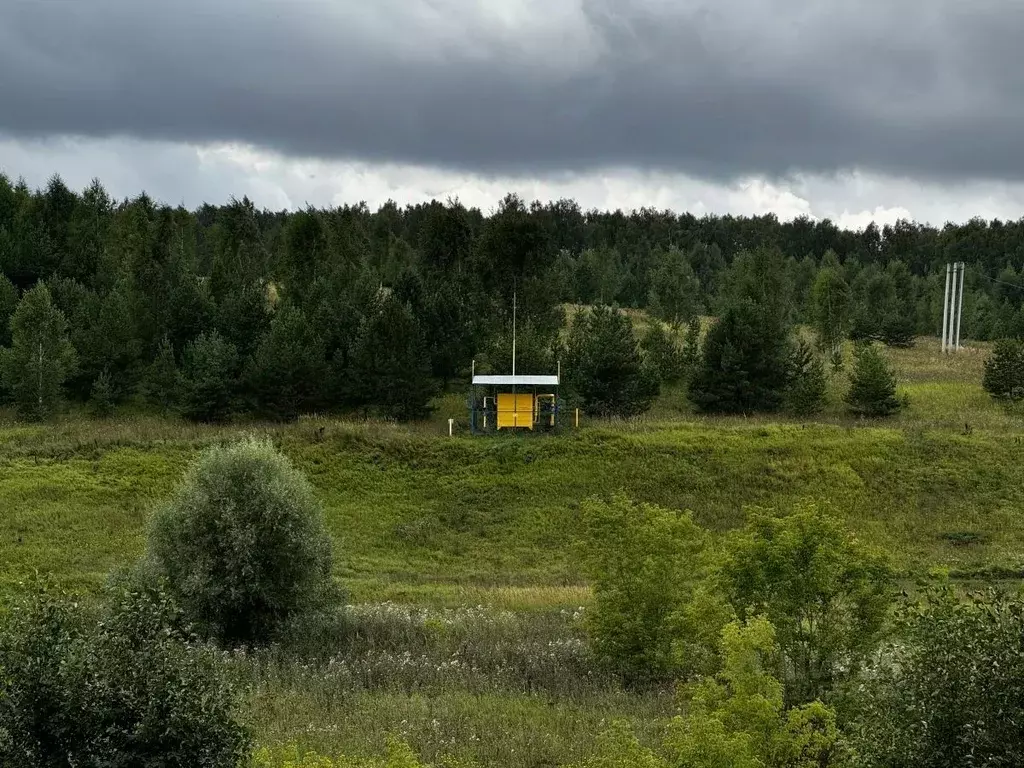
515, 410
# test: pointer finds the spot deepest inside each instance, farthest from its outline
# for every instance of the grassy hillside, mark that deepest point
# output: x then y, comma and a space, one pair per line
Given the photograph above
447, 524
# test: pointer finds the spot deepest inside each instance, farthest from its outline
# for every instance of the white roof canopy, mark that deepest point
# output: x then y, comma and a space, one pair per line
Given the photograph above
517, 381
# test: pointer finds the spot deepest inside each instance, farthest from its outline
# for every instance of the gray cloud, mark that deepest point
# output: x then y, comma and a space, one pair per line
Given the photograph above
717, 89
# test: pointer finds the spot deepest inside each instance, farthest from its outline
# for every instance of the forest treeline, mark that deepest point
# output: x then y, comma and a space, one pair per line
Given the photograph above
231, 308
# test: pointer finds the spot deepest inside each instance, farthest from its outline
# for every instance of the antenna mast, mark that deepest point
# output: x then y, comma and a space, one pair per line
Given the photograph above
513, 333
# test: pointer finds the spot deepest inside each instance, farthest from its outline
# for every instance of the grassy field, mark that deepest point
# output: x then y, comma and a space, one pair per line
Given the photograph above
463, 635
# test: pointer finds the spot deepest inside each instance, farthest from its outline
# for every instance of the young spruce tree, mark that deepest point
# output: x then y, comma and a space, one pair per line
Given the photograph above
872, 384
605, 370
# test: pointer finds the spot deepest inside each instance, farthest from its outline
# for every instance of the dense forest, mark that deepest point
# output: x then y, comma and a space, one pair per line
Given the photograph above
230, 308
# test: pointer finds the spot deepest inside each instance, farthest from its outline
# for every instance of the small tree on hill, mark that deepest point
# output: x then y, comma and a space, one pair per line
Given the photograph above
675, 289
805, 394
605, 370
663, 354
831, 301
1004, 370
745, 365
872, 384
242, 543
209, 378
40, 357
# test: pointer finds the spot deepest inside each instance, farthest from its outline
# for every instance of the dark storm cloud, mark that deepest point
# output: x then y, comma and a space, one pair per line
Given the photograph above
926, 88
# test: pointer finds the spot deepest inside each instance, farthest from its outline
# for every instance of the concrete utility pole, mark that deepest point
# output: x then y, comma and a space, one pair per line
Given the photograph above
945, 308
960, 305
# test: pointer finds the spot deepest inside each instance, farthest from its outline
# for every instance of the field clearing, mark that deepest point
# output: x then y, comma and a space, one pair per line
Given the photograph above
456, 552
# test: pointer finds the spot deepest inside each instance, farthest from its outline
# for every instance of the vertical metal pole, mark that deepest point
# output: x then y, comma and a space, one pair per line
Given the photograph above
577, 418
960, 305
451, 425
945, 308
513, 334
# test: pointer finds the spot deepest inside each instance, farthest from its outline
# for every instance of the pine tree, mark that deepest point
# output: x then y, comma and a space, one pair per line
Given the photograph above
101, 398
209, 378
675, 289
8, 303
605, 371
830, 299
805, 395
872, 384
390, 364
285, 376
745, 365
162, 381
1004, 370
40, 357
663, 354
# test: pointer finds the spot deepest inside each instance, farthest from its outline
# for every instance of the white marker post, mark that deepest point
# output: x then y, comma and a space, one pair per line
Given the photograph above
451, 426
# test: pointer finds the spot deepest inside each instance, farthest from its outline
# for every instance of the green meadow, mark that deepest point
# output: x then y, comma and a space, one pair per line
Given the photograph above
462, 635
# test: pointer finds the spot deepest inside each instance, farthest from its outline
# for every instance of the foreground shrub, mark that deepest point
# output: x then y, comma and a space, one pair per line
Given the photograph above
949, 691
734, 719
399, 755
126, 687
646, 564
824, 592
738, 719
242, 544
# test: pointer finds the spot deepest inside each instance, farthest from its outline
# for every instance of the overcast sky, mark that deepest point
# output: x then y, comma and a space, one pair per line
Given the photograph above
876, 109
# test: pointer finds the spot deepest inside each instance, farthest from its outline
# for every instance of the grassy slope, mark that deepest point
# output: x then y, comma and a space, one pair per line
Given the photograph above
421, 518
420, 515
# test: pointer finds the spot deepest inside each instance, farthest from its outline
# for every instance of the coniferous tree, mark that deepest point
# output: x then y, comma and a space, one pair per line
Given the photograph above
663, 354
285, 375
1004, 370
162, 381
675, 289
805, 394
605, 370
40, 357
390, 364
872, 384
830, 299
745, 364
101, 398
209, 378
8, 303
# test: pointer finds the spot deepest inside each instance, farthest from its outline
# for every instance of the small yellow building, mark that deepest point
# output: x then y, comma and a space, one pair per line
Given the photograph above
514, 402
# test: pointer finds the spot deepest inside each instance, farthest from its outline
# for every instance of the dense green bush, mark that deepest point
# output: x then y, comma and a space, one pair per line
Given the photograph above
949, 689
872, 384
825, 593
646, 564
242, 543
123, 687
1004, 370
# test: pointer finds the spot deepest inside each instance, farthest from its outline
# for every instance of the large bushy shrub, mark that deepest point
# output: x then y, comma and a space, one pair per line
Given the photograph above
242, 543
825, 593
646, 564
126, 686
949, 689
